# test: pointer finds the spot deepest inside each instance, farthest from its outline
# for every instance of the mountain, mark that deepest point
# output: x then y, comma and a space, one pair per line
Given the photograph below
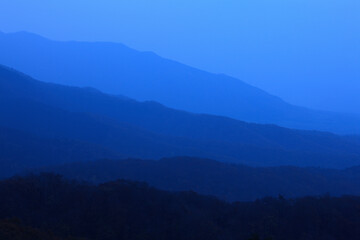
226, 181
131, 210
117, 69
21, 151
150, 130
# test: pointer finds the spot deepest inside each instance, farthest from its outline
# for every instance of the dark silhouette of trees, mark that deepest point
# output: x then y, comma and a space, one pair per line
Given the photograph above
133, 210
229, 182
12, 229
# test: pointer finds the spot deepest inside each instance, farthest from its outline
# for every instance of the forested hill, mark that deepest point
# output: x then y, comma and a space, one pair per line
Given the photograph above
230, 182
135, 211
13, 229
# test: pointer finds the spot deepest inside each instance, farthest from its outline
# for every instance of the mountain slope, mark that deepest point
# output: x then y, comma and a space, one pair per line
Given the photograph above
225, 181
135, 211
149, 130
157, 118
14, 230
20, 151
116, 69
129, 141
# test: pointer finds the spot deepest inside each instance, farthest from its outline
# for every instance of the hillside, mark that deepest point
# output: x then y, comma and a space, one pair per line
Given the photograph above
13, 230
21, 151
226, 181
117, 69
131, 210
150, 130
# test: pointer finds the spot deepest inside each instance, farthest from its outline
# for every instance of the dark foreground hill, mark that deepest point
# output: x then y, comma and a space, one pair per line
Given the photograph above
225, 181
12, 229
117, 69
128, 210
150, 130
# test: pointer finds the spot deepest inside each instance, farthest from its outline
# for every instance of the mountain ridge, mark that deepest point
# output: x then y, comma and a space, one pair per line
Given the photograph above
116, 69
230, 182
148, 130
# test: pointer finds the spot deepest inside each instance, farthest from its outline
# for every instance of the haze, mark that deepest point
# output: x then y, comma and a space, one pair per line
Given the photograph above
181, 120
306, 52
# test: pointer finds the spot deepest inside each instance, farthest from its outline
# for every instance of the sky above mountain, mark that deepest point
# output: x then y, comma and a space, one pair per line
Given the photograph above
305, 51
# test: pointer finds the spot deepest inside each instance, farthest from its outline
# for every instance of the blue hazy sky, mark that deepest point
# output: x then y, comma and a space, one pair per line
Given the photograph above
305, 51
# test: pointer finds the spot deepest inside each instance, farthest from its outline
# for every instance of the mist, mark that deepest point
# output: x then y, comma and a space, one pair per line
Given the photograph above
305, 52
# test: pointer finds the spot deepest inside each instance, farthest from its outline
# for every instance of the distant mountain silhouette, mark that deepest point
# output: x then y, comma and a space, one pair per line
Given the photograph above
226, 181
117, 69
150, 130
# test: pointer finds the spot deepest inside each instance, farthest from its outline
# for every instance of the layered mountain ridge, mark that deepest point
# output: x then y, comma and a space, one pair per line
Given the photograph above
150, 130
117, 69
